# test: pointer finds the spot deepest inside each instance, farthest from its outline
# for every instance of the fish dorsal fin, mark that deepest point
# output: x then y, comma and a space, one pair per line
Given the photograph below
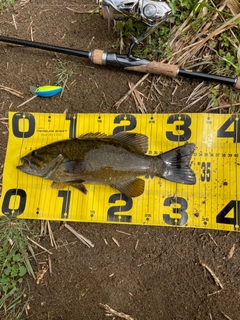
132, 188
93, 135
135, 141
138, 141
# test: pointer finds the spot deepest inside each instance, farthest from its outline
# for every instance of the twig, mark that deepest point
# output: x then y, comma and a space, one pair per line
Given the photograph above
136, 245
105, 241
226, 316
115, 241
50, 264
112, 313
118, 103
25, 102
212, 239
128, 234
40, 274
64, 245
12, 91
138, 100
51, 236
231, 252
37, 244
216, 279
43, 231
90, 42
79, 236
14, 21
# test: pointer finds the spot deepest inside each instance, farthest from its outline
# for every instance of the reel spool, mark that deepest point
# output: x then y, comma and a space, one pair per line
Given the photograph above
151, 12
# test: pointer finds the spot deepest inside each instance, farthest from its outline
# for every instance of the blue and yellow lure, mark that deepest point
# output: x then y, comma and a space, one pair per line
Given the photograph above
47, 91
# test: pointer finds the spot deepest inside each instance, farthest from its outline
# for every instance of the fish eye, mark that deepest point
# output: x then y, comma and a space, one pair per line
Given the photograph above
34, 153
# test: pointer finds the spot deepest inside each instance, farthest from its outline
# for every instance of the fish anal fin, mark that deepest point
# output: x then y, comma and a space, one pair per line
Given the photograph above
132, 188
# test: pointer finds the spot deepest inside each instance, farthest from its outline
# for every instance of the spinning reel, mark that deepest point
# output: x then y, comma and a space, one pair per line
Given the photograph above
151, 12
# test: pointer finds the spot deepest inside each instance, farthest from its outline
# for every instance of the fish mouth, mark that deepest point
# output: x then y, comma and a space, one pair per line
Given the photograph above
25, 162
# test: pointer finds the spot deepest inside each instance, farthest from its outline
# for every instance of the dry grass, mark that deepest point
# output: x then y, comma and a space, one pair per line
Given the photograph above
199, 34
208, 41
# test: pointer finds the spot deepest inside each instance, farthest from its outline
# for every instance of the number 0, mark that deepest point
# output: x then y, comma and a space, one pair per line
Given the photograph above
7, 198
16, 127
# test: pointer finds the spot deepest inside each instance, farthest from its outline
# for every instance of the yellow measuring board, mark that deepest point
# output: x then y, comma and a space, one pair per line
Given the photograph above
212, 203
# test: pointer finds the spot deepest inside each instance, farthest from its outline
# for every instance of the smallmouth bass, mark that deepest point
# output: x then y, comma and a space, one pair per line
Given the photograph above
116, 160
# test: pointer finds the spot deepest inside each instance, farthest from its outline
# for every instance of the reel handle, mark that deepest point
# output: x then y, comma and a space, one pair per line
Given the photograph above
132, 63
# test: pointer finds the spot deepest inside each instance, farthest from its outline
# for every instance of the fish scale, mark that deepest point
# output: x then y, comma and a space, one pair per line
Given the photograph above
122, 159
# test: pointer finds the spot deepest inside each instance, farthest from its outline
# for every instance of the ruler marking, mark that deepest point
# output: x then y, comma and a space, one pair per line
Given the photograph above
217, 184
162, 132
236, 175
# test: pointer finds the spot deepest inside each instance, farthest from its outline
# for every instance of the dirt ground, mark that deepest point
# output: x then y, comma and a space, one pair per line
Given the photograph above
154, 273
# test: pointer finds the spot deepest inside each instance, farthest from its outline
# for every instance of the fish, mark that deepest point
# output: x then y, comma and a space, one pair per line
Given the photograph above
117, 160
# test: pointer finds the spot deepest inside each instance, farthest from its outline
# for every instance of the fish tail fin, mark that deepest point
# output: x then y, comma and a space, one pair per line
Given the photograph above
176, 166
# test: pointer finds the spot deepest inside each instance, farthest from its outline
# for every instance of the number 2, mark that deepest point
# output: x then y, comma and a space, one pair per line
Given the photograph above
111, 216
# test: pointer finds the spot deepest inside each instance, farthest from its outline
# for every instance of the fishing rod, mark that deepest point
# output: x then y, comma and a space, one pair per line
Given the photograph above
127, 62
153, 14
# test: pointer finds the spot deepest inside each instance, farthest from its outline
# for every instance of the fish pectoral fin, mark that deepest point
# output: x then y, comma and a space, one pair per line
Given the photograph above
78, 185
74, 166
132, 188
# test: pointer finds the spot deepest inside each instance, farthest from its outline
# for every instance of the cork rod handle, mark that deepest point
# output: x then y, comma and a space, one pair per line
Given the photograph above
154, 67
237, 85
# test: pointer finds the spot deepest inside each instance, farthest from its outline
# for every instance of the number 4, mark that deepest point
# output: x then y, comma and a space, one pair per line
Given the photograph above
221, 217
235, 134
